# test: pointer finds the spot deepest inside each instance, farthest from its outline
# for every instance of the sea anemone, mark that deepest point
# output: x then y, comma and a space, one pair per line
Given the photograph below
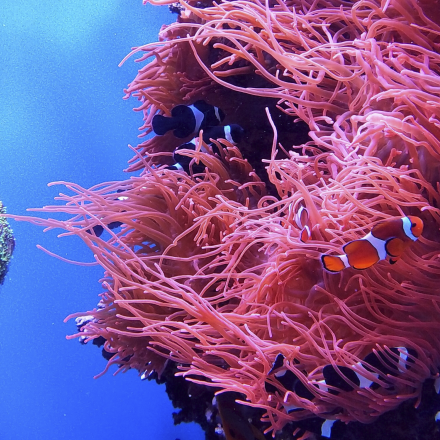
210, 270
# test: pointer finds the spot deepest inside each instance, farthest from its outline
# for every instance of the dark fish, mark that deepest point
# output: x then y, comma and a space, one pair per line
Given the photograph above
288, 380
99, 229
183, 162
233, 133
188, 120
391, 362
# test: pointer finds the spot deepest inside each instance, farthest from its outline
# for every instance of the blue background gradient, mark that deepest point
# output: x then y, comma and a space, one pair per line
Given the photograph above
62, 117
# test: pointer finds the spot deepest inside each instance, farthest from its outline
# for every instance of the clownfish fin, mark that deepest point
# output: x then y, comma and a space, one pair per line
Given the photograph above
395, 247
305, 234
334, 263
394, 260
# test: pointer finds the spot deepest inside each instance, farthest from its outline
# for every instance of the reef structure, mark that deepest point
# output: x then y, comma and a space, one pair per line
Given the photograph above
211, 271
7, 244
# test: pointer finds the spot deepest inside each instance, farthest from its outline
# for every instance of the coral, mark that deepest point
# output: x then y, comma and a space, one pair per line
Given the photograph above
7, 244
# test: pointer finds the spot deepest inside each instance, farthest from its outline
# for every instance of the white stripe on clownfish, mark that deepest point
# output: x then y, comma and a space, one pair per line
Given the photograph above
302, 217
321, 385
326, 428
228, 135
437, 385
289, 407
403, 359
178, 167
217, 114
363, 381
407, 226
200, 145
378, 244
199, 116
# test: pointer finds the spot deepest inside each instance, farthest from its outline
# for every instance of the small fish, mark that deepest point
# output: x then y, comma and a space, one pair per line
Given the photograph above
233, 133
388, 238
301, 219
99, 229
388, 362
188, 120
183, 162
288, 380
378, 365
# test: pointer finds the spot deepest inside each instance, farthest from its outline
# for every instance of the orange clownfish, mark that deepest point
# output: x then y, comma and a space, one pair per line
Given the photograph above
301, 219
390, 237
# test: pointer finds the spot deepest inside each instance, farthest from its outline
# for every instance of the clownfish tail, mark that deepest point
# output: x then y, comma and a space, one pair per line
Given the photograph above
333, 263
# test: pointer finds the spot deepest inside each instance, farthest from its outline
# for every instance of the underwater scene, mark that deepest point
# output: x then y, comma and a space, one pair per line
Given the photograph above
253, 252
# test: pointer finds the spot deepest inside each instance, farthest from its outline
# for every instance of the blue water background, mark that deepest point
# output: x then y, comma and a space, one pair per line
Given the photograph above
62, 117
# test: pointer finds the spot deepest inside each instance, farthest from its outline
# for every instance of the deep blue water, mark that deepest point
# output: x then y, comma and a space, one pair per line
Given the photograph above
62, 117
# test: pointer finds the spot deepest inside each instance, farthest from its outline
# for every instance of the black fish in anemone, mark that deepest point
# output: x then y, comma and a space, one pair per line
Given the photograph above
183, 162
390, 362
232, 133
99, 229
188, 120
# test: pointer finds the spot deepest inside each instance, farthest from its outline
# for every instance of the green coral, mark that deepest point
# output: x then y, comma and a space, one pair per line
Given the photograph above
7, 244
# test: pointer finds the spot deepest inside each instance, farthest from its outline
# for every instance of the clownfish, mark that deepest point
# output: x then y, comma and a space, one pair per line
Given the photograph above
188, 120
232, 133
301, 219
378, 365
388, 238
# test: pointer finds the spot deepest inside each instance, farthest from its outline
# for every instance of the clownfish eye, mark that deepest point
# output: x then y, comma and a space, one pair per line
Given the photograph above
413, 225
